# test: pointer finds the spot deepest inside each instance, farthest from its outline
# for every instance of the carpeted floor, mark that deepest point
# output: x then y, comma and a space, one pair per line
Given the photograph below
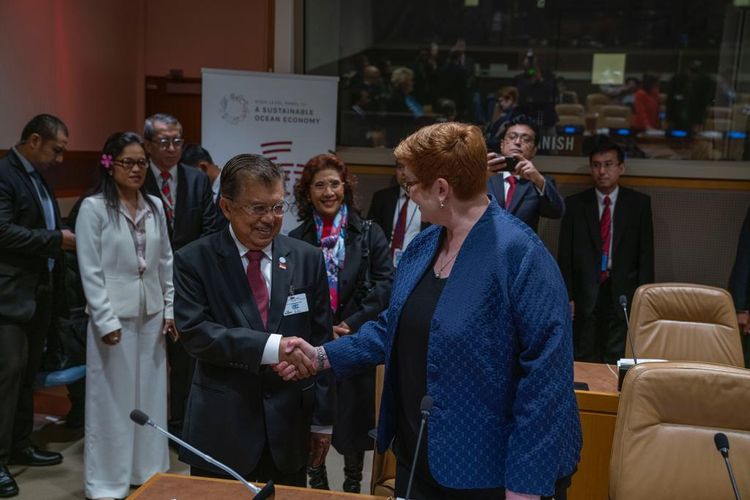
65, 481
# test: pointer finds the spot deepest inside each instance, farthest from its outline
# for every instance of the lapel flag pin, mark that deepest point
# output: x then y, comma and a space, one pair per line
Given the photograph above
282, 263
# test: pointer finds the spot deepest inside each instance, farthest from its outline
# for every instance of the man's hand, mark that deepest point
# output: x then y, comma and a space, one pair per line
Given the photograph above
319, 445
572, 309
296, 359
341, 329
743, 318
495, 163
171, 330
527, 170
68, 240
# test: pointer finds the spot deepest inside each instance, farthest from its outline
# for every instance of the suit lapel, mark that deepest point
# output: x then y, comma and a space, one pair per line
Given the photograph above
182, 203
236, 280
621, 207
26, 178
281, 280
522, 189
592, 219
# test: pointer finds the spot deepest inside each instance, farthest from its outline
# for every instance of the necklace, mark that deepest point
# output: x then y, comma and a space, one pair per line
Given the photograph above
438, 274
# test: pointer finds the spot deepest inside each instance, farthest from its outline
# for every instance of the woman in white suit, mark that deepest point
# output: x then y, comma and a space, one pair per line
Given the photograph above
126, 269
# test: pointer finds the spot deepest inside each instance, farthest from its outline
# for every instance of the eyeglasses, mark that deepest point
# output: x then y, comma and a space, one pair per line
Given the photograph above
525, 138
408, 185
260, 210
322, 185
164, 143
129, 163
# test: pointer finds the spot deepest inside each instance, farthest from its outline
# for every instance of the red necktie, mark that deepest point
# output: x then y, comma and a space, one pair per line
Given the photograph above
399, 232
167, 194
605, 228
257, 283
511, 189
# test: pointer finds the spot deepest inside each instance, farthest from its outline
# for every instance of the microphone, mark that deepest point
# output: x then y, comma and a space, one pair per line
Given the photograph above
425, 407
722, 444
624, 305
267, 491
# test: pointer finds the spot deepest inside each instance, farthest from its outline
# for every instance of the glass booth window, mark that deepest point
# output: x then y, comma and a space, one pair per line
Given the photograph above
668, 80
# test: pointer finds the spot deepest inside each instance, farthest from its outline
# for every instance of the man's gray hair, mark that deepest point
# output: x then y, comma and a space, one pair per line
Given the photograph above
248, 168
165, 118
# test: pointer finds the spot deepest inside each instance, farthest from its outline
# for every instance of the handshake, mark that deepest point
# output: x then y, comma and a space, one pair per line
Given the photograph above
299, 360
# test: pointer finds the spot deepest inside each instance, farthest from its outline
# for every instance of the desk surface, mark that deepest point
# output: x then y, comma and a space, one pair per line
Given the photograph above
178, 487
599, 377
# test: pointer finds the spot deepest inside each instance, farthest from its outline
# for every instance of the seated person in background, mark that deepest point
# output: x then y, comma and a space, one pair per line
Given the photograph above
356, 129
488, 339
506, 108
524, 192
402, 107
358, 265
194, 155
606, 249
646, 104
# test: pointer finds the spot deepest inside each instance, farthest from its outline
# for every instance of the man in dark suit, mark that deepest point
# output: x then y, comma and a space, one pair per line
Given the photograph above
739, 286
195, 155
606, 250
398, 216
524, 192
31, 285
240, 294
191, 213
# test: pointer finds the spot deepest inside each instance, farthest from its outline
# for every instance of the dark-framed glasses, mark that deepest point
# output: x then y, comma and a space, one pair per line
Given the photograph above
129, 163
260, 210
333, 184
525, 138
164, 142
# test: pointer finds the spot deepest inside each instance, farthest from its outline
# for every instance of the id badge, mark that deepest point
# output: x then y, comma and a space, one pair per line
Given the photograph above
397, 256
296, 304
603, 267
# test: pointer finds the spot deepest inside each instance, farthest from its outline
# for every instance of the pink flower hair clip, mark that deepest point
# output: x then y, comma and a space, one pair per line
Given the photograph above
106, 161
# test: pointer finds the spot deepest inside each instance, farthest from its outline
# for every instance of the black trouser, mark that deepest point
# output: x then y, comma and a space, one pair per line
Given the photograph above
21, 348
427, 489
265, 470
600, 336
181, 368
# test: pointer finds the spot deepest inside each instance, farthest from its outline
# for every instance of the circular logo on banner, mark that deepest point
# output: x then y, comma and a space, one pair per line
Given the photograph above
234, 108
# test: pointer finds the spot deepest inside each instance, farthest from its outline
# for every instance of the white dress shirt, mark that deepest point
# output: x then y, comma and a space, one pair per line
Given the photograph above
506, 185
413, 218
215, 188
172, 182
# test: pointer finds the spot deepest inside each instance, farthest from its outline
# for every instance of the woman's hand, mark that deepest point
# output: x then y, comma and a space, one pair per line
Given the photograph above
112, 338
340, 330
171, 330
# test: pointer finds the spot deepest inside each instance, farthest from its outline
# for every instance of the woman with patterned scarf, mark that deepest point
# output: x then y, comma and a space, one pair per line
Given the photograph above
359, 269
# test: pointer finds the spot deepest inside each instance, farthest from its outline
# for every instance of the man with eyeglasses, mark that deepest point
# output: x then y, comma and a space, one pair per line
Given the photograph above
522, 190
240, 296
32, 268
398, 216
606, 250
191, 214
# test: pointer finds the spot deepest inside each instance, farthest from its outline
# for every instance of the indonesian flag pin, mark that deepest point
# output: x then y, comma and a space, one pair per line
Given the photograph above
282, 263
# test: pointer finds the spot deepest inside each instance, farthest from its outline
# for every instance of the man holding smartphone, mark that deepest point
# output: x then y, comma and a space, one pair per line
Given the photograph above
515, 182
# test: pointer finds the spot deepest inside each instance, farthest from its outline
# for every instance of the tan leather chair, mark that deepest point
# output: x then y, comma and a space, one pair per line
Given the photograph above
719, 112
613, 114
569, 109
383, 466
684, 322
571, 120
664, 435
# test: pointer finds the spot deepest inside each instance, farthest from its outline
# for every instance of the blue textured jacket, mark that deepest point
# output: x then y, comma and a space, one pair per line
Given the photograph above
500, 360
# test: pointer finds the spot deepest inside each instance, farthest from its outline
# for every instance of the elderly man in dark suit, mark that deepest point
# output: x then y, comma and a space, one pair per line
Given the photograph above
240, 295
191, 213
606, 250
397, 215
522, 190
739, 286
31, 284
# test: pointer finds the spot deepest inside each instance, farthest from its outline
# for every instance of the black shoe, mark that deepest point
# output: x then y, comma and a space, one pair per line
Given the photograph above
34, 457
8, 486
318, 477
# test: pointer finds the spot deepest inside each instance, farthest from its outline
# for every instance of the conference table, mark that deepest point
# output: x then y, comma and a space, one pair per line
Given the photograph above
179, 487
598, 410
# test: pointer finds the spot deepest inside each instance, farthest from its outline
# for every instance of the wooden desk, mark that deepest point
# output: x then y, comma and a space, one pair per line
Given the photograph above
178, 487
598, 409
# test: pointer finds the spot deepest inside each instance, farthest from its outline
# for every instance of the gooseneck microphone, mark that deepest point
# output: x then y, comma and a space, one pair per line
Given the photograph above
722, 444
267, 491
425, 407
624, 305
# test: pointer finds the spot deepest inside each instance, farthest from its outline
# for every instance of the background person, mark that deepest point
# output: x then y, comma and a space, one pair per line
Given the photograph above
739, 286
358, 265
488, 338
126, 271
